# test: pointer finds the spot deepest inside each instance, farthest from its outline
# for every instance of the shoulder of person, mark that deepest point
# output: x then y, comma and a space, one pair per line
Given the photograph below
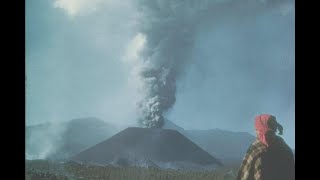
283, 144
279, 138
281, 141
256, 148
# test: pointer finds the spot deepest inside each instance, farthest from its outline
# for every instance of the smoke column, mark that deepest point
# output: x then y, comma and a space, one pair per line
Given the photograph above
168, 29
169, 37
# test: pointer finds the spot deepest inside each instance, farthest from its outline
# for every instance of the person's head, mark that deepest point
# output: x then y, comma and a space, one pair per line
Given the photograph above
266, 126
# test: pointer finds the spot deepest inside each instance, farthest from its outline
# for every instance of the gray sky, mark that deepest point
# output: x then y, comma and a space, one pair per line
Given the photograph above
240, 66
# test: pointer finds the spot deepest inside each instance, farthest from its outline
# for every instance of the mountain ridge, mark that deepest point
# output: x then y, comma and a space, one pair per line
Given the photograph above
81, 133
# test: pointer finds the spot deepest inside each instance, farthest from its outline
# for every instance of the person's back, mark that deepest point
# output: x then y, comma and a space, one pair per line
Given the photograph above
278, 161
269, 157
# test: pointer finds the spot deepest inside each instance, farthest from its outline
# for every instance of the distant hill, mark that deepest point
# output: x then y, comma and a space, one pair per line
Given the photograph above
170, 125
153, 147
61, 140
228, 146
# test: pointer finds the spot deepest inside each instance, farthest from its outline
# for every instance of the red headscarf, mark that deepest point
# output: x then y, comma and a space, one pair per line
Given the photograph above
262, 126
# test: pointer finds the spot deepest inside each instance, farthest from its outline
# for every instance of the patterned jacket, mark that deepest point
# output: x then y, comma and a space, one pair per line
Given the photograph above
268, 163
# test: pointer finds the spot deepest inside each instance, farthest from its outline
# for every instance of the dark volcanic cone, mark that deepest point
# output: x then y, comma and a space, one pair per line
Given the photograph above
136, 146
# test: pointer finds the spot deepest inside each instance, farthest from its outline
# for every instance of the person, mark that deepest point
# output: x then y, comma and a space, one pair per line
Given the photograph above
268, 157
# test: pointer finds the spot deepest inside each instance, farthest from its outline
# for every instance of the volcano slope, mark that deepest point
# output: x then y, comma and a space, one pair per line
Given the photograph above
148, 147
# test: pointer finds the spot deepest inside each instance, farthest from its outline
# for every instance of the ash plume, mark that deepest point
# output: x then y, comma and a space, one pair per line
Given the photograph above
169, 38
168, 29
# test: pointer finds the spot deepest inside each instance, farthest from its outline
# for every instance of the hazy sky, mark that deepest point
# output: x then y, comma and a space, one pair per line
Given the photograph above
240, 65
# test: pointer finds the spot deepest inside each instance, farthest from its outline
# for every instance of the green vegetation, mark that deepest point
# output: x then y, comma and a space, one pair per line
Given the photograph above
43, 169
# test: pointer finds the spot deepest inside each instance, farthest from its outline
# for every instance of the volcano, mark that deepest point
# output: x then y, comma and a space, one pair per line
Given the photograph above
148, 147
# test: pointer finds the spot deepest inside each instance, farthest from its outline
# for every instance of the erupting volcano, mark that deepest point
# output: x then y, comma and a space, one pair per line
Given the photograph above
151, 147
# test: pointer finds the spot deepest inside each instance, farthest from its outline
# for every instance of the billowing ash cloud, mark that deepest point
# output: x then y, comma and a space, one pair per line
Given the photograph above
169, 34
168, 28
